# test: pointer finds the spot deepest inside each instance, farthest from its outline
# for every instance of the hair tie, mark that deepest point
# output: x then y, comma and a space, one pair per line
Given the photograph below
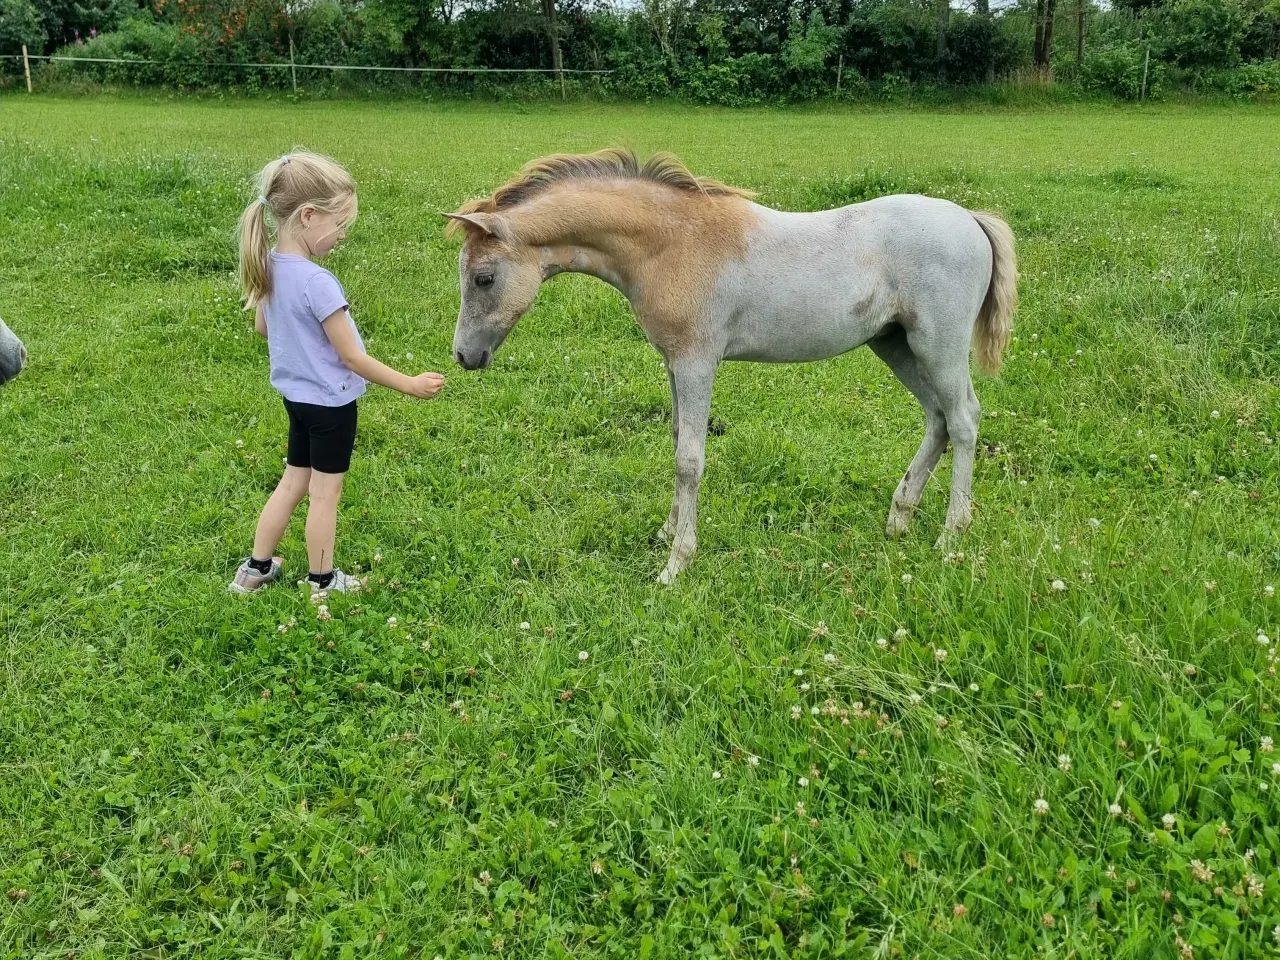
263, 200
285, 158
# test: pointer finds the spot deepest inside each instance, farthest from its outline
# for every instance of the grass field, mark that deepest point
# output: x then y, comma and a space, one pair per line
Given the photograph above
818, 744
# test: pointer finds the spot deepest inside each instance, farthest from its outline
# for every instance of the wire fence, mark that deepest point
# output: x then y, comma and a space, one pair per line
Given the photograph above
292, 66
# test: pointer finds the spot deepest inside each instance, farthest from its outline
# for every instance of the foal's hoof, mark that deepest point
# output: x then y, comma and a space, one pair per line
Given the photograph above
663, 535
946, 541
899, 521
668, 577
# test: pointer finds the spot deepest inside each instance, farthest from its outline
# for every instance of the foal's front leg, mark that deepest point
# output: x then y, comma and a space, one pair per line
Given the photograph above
692, 380
669, 528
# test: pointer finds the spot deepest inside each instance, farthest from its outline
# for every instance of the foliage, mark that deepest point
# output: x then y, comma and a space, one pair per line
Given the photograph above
1201, 34
1119, 71
191, 774
19, 24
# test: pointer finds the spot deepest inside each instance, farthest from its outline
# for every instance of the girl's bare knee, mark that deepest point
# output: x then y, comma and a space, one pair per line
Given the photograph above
326, 486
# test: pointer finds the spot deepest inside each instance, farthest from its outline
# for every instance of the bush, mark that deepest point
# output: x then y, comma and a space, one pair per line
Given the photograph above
1247, 80
1201, 34
1118, 71
19, 24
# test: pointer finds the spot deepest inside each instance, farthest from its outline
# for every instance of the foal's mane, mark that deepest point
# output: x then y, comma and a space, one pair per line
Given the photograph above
615, 163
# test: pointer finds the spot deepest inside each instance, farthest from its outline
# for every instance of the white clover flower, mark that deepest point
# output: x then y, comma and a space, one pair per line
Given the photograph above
1169, 821
796, 712
940, 655
583, 656
715, 774
1057, 586
1269, 591
1064, 763
392, 622
524, 624
1115, 810
815, 711
1153, 458
974, 688
907, 578
829, 659
1214, 414
915, 699
1041, 807
900, 634
882, 643
377, 557
753, 760
804, 688
1266, 745
1275, 769
1095, 522
1263, 639
797, 672
803, 781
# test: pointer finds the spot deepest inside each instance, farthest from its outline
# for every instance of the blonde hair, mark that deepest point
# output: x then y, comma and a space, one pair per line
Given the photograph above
285, 186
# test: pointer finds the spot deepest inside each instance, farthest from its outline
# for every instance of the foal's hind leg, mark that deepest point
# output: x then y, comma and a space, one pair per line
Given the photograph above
894, 350
949, 374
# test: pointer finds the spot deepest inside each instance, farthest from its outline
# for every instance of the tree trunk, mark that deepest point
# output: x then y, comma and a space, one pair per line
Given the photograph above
1080, 6
553, 33
984, 11
943, 14
1037, 54
1050, 9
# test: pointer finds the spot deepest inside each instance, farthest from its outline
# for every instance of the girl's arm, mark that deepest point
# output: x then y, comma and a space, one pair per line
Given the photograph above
337, 327
260, 322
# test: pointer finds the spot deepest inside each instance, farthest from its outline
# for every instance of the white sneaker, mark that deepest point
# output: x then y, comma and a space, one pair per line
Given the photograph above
341, 583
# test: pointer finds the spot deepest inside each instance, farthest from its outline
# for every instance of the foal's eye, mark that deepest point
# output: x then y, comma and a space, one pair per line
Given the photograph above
484, 279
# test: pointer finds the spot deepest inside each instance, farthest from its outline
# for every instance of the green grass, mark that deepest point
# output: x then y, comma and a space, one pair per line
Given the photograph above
463, 785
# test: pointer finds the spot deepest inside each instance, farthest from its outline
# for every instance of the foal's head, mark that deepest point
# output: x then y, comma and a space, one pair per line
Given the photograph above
500, 277
501, 264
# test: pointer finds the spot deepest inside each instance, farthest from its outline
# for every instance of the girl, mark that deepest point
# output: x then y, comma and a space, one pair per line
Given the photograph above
318, 361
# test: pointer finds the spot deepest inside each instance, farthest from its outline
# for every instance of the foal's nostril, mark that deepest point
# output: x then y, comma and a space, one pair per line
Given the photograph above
457, 358
485, 358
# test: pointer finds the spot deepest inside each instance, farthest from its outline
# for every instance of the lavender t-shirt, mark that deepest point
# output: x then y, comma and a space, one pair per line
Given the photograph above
305, 367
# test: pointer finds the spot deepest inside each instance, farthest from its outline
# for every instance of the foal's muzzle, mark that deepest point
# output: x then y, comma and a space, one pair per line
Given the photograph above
475, 360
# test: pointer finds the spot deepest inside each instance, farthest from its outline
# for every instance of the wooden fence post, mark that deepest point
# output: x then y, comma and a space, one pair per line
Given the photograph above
1145, 63
839, 73
292, 69
26, 67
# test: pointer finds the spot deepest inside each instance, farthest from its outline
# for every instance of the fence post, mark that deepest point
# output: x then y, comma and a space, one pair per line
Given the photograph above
26, 67
839, 73
292, 69
1145, 63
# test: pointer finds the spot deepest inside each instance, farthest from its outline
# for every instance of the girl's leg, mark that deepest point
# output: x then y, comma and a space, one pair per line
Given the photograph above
275, 515
322, 519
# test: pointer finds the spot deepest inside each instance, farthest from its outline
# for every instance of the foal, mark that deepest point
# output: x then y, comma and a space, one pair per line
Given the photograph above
712, 276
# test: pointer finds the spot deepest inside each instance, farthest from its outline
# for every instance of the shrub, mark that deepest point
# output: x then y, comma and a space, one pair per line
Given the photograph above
1201, 34
19, 24
1118, 71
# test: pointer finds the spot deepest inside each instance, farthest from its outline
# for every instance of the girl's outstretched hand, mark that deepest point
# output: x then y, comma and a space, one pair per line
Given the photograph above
425, 385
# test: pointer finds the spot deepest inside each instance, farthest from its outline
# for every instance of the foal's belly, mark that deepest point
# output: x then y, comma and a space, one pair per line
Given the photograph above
765, 338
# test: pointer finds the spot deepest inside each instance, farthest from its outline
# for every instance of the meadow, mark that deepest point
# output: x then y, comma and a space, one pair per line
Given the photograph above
1056, 741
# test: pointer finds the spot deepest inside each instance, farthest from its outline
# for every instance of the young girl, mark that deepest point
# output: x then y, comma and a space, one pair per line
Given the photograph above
318, 361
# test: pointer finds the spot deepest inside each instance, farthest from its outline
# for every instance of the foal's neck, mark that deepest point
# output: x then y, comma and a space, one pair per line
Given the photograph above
610, 231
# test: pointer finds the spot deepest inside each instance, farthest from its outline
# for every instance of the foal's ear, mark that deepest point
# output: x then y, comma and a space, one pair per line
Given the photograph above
492, 224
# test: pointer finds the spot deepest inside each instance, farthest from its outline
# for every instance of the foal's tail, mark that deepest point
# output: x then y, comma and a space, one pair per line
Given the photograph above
995, 319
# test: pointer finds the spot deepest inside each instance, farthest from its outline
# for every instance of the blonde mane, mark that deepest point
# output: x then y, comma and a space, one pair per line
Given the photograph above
613, 164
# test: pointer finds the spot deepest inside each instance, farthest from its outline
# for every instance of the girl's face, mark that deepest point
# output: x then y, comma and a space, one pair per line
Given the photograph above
320, 232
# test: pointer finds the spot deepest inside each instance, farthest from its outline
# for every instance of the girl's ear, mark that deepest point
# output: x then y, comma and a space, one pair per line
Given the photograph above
305, 213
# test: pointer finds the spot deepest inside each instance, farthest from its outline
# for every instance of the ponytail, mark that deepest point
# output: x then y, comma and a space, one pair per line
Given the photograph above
255, 247
284, 186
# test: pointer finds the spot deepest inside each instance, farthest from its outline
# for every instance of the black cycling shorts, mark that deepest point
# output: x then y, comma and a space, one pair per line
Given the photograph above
321, 438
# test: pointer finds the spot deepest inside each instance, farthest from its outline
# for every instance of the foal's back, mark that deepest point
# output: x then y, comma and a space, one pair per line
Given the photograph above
814, 285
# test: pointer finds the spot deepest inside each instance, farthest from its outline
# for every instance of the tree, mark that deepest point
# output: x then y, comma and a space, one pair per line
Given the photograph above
1042, 55
20, 24
553, 35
